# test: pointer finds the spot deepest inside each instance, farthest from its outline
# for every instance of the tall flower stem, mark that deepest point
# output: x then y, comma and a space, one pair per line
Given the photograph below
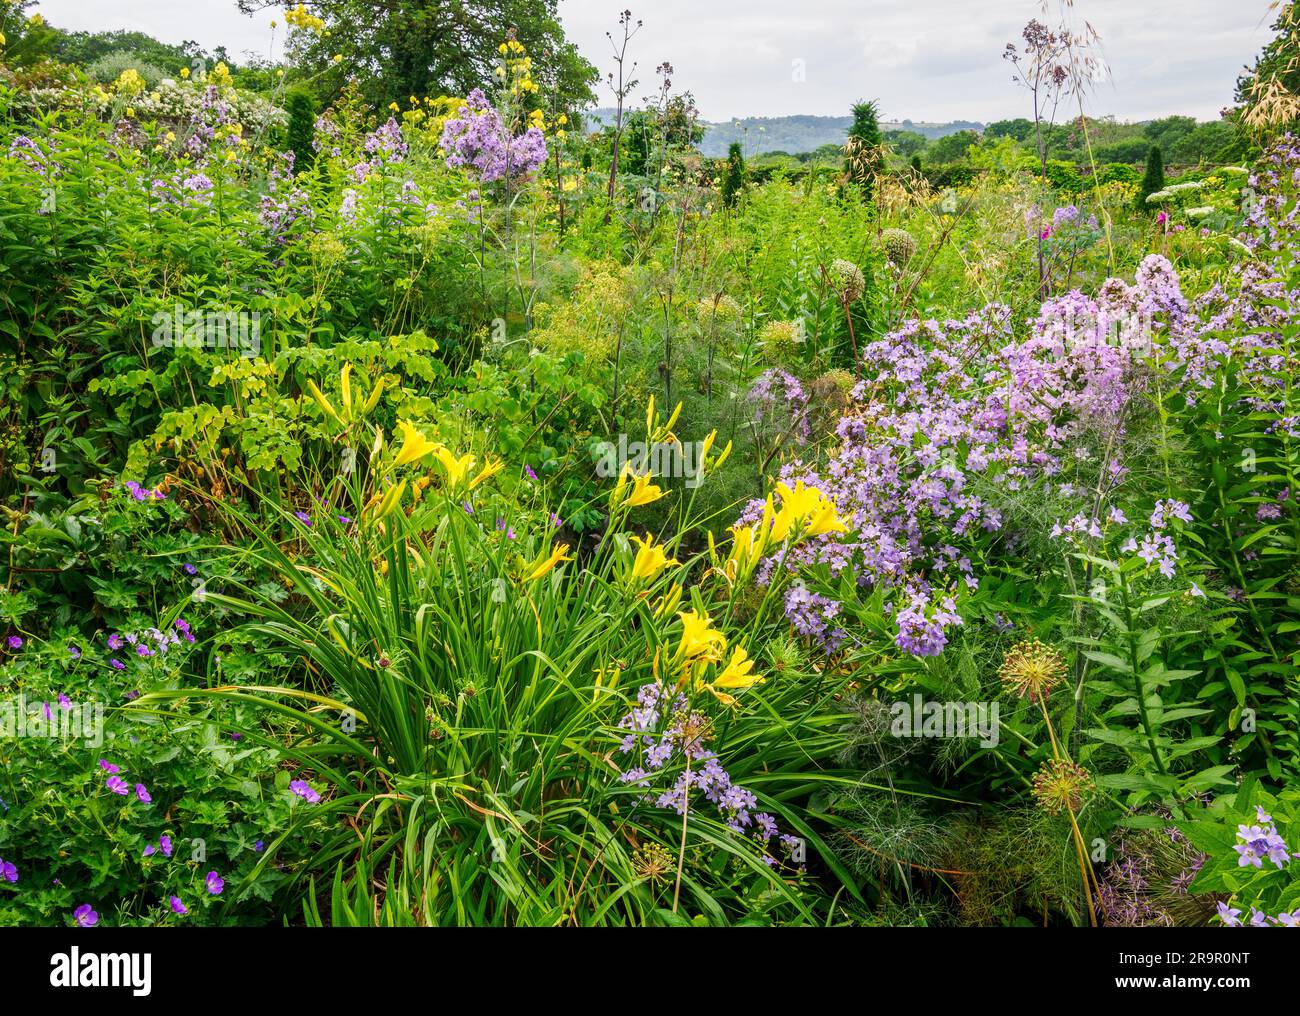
681, 849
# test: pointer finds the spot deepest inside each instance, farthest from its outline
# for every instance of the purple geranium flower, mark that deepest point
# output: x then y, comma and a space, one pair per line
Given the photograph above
215, 883
117, 786
304, 790
177, 906
142, 795
85, 916
7, 871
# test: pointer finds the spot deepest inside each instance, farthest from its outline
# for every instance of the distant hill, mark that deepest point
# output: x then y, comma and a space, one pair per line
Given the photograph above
794, 134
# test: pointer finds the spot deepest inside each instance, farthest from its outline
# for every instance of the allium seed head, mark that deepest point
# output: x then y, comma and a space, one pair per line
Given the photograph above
1032, 669
1061, 784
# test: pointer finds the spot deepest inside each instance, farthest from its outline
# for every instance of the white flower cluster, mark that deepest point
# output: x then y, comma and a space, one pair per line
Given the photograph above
171, 101
1175, 192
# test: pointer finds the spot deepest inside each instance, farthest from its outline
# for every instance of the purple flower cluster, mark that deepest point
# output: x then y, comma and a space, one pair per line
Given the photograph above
284, 204
384, 146
119, 786
301, 788
813, 615
139, 493
1261, 841
1147, 884
661, 731
959, 420
1258, 918
477, 139
922, 626
326, 136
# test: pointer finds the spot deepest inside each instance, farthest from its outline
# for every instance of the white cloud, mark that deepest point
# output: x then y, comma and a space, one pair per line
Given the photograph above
923, 59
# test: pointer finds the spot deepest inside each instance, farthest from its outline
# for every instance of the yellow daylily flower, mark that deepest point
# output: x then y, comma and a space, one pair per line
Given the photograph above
806, 509
455, 468
825, 520
543, 565
650, 559
487, 472
415, 445
737, 672
700, 640
643, 491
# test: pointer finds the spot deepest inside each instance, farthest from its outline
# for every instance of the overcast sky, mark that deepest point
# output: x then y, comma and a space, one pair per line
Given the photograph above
922, 59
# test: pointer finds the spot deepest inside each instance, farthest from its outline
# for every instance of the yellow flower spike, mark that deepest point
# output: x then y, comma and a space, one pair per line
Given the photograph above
748, 544
543, 565
454, 467
707, 444
650, 559
323, 402
415, 445
616, 498
345, 389
373, 399
722, 457
737, 674
700, 640
668, 427
487, 472
643, 491
668, 603
650, 415
390, 500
